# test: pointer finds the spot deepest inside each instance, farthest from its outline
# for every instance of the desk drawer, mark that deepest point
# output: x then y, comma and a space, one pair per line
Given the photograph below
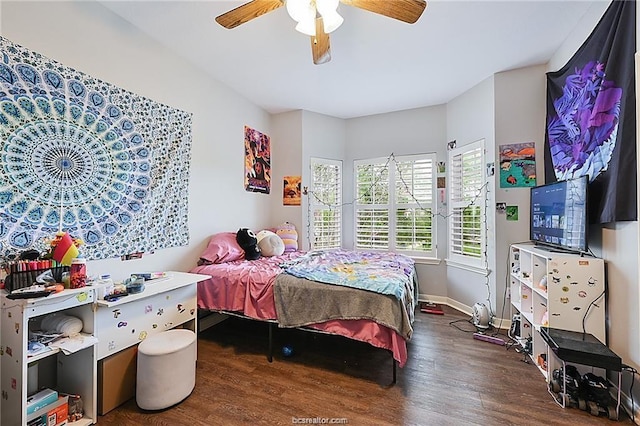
119, 327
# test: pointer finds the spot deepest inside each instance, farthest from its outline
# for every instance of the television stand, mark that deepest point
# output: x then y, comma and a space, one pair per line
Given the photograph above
554, 290
551, 249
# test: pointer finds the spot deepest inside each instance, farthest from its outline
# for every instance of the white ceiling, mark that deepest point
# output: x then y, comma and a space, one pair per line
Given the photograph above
378, 64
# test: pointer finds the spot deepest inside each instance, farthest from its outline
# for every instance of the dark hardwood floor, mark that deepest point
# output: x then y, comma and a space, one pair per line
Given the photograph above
449, 379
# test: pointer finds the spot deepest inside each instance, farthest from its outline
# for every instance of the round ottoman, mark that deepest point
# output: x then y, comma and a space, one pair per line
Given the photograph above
166, 369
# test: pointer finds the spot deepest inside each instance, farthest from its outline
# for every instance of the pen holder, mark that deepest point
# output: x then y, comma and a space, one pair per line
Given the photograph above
22, 279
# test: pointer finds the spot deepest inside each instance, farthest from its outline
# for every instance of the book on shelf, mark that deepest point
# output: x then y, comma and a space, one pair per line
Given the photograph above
54, 414
41, 399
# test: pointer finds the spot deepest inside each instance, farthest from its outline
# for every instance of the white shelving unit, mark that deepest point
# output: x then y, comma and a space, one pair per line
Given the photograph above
73, 374
573, 298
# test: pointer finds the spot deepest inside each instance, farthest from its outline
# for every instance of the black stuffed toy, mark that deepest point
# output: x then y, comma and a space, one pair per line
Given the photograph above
248, 241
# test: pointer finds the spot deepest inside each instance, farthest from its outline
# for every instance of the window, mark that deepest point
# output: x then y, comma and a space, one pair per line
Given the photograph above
395, 204
467, 204
326, 203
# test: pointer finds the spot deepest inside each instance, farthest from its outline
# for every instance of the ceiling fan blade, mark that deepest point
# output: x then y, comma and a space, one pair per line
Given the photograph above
248, 11
320, 44
404, 10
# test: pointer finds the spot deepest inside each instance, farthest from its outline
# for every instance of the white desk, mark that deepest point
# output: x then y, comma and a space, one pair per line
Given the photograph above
164, 304
117, 325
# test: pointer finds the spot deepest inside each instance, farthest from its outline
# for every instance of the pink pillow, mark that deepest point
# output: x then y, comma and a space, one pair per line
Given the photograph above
222, 248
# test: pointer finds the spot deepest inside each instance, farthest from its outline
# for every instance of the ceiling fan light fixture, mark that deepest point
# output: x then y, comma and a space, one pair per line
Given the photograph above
328, 9
297, 9
304, 13
317, 18
331, 22
307, 26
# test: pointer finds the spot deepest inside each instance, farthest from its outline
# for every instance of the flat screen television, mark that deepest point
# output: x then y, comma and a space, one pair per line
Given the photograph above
559, 215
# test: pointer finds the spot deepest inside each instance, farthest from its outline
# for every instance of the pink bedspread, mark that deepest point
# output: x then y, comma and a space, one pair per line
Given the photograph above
246, 287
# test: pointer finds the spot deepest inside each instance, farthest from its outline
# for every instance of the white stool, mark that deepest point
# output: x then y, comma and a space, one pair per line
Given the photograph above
166, 369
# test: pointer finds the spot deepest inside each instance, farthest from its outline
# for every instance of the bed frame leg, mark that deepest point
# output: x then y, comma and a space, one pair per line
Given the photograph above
270, 354
393, 361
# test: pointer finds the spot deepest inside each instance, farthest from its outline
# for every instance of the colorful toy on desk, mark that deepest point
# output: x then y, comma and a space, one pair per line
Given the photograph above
149, 275
65, 248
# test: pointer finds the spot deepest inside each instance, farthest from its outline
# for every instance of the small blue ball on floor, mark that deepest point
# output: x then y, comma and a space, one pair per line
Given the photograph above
287, 350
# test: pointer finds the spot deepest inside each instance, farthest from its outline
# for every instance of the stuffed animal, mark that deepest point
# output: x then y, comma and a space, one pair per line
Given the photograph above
248, 241
269, 243
287, 231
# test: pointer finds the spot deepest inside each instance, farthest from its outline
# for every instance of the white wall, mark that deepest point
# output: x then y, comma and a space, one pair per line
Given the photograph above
519, 117
414, 131
471, 117
286, 160
323, 137
299, 136
579, 34
616, 243
89, 38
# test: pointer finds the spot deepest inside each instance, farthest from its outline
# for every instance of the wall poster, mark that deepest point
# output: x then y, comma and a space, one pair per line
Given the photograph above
517, 165
291, 190
257, 161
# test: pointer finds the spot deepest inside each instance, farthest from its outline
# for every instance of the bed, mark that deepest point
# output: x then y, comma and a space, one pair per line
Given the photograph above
365, 296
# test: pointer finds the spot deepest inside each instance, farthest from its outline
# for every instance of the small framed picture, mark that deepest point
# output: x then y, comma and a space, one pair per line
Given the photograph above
512, 212
291, 190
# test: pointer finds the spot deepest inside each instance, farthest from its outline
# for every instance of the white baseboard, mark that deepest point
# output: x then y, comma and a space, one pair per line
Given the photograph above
501, 323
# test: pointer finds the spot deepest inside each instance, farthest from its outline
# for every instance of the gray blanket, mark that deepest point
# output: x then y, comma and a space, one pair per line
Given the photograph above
301, 302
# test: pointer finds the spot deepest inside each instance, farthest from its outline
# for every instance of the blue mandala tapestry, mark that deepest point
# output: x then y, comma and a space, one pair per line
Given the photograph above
591, 117
90, 158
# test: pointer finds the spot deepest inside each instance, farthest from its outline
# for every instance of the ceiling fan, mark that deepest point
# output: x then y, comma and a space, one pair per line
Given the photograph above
317, 18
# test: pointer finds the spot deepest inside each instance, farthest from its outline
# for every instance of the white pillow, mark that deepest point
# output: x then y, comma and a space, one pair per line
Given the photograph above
60, 323
269, 243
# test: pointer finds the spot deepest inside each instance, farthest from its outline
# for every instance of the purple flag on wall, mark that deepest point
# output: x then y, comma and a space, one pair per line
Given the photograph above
591, 117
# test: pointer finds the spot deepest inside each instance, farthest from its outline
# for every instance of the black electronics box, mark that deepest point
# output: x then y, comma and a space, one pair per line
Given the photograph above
580, 348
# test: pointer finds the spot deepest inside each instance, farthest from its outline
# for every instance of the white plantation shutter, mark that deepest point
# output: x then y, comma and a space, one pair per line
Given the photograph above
466, 203
372, 205
326, 203
414, 205
395, 203
372, 230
